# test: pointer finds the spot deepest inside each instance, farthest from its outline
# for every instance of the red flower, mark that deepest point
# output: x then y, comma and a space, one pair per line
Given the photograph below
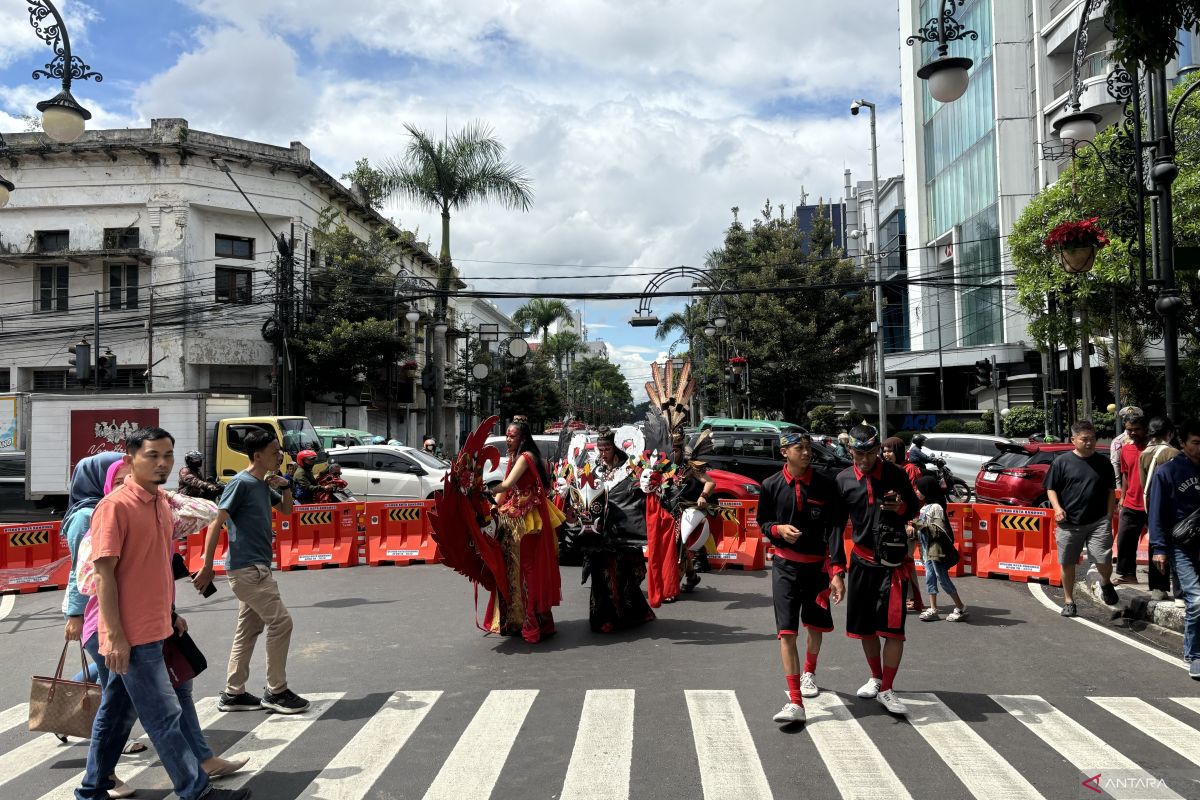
1083, 233
738, 360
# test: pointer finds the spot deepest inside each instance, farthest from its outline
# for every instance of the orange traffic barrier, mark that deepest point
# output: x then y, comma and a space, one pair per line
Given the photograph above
399, 532
33, 556
739, 540
1019, 544
318, 536
192, 548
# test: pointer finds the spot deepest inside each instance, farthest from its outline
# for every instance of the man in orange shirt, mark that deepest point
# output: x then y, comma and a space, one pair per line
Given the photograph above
131, 554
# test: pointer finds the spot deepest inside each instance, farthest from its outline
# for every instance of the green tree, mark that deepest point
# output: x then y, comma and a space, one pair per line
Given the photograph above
687, 323
600, 392
539, 314
450, 174
1146, 32
561, 348
373, 181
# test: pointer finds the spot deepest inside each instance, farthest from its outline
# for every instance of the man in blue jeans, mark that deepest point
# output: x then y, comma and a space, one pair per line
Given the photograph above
1173, 504
131, 554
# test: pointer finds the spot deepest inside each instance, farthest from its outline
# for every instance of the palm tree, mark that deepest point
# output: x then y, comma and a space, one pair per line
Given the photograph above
561, 346
447, 175
539, 315
688, 323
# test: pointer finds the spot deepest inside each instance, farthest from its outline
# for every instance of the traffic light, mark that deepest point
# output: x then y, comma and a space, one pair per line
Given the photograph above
983, 373
107, 370
427, 378
81, 360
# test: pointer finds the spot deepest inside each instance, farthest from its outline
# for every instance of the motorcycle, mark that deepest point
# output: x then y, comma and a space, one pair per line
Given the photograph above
957, 490
331, 488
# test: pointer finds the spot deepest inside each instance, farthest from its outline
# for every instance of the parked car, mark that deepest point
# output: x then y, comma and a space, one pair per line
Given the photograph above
757, 456
547, 444
766, 425
343, 437
964, 453
1016, 476
390, 472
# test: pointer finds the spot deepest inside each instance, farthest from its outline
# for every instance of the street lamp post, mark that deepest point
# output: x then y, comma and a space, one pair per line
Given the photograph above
1078, 127
880, 372
947, 75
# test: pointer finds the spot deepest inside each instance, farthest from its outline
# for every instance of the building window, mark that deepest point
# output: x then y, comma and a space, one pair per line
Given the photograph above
51, 380
130, 378
52, 241
5, 380
233, 285
122, 286
52, 288
234, 246
122, 239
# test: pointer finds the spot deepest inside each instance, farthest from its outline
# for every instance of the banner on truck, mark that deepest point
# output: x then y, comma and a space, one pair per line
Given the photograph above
95, 432
8, 423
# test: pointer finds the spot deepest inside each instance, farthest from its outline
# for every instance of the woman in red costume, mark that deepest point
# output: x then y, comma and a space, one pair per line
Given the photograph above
527, 523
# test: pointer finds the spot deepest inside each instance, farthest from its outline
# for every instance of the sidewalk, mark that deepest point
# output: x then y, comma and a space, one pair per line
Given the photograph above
1135, 602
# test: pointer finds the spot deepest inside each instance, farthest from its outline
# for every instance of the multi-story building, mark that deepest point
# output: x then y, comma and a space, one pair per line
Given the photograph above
143, 233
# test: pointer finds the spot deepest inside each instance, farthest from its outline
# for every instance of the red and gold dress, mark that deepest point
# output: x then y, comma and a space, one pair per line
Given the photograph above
528, 537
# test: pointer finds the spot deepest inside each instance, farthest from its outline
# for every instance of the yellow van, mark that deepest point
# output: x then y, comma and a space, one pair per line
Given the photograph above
294, 434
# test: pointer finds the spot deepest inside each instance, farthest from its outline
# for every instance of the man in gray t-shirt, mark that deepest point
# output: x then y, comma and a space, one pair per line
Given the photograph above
245, 508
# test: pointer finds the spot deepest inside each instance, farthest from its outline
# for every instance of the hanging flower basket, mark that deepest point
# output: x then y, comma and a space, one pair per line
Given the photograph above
1077, 243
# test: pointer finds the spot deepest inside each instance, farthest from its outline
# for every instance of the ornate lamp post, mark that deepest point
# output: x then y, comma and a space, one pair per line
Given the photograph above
63, 119
1124, 159
947, 74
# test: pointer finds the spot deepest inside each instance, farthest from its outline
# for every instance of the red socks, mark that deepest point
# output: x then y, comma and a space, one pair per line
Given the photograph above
889, 675
810, 662
793, 682
876, 665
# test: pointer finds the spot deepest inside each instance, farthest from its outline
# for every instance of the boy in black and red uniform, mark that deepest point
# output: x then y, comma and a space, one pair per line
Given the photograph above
878, 499
798, 513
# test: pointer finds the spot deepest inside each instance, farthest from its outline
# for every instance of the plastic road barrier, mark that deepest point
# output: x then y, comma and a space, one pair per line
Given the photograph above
318, 536
1020, 544
738, 542
400, 532
33, 556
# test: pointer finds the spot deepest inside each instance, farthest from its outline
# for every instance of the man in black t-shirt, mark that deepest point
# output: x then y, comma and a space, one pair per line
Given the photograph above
1081, 487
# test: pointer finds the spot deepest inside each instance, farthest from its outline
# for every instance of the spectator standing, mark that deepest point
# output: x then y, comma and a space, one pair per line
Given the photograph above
131, 554
1081, 487
1114, 447
933, 531
1133, 505
1158, 452
246, 507
1174, 510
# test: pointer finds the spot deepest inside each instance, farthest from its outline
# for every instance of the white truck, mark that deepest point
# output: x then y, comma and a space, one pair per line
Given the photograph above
53, 432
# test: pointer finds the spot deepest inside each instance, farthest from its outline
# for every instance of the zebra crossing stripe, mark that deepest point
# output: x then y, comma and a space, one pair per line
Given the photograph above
33, 754
1156, 724
985, 773
603, 754
12, 717
1088, 752
1192, 703
466, 776
270, 737
836, 733
131, 767
729, 764
356, 768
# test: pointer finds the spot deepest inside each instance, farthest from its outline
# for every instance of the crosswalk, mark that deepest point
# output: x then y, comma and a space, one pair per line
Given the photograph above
439, 745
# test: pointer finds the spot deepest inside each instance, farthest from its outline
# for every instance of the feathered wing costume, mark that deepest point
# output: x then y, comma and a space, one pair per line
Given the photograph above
464, 525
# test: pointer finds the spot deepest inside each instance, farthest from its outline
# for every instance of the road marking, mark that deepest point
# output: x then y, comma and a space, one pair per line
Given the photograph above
466, 774
858, 769
603, 754
132, 766
6, 604
729, 765
354, 770
1156, 724
275, 733
1039, 592
1117, 775
11, 718
985, 773
33, 754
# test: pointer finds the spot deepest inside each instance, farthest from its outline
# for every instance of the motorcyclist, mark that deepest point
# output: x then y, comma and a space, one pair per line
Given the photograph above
331, 487
192, 481
917, 455
304, 482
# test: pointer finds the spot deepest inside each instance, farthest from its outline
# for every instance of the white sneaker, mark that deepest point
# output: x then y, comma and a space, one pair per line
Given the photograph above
892, 703
870, 688
929, 615
790, 713
957, 614
808, 685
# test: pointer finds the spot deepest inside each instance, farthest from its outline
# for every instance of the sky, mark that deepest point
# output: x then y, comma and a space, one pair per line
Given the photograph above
640, 122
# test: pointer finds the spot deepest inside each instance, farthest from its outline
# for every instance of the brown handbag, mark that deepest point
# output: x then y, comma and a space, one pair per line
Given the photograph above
64, 707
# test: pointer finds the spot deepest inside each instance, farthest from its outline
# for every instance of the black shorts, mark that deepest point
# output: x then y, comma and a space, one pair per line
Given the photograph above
795, 586
869, 598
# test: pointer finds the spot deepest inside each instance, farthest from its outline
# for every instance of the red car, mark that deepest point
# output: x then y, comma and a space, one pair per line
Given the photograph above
1015, 477
731, 486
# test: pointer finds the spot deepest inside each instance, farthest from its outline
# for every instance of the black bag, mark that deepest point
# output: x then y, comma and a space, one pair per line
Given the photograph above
183, 658
950, 556
1186, 533
892, 545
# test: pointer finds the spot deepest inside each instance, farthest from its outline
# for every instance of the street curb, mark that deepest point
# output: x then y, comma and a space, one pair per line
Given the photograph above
1135, 604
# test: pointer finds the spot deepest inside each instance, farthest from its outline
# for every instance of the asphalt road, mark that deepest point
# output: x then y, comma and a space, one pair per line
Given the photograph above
1016, 702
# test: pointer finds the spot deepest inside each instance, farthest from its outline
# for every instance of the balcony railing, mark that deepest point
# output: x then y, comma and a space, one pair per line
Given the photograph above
1094, 64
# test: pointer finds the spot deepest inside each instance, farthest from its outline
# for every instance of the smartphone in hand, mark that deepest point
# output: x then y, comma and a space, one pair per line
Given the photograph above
209, 590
